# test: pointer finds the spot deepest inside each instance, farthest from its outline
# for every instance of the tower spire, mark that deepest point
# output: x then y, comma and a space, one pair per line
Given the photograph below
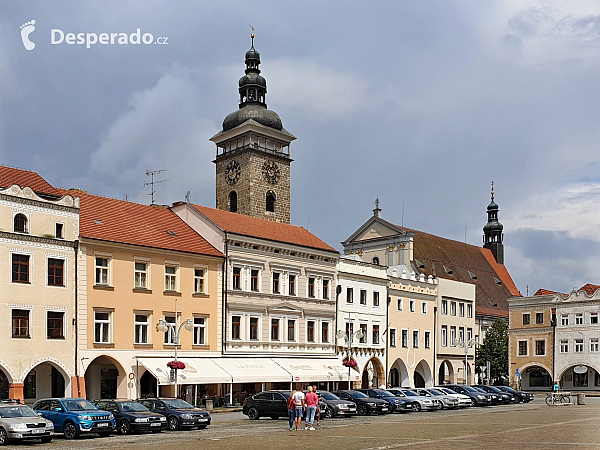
492, 231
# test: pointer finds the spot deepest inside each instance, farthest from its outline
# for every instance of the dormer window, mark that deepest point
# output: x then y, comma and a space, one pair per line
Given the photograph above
376, 260
20, 223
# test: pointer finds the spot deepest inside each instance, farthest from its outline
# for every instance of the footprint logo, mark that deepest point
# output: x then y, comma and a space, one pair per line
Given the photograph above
26, 30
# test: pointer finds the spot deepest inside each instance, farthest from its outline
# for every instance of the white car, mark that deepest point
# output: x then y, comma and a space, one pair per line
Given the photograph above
463, 400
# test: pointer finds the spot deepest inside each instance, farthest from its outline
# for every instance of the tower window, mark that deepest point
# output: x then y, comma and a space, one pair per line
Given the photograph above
20, 223
233, 206
270, 202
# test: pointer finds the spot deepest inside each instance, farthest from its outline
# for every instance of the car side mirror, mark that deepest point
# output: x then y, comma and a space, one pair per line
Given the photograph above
58, 409
39, 414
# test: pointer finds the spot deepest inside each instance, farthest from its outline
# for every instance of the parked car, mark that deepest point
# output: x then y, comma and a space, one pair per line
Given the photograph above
271, 404
179, 413
397, 404
520, 396
74, 416
463, 400
448, 401
477, 398
496, 398
507, 397
335, 406
420, 403
132, 416
364, 404
20, 422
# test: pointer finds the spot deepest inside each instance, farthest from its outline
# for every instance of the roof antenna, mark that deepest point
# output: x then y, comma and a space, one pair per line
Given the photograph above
465, 231
527, 290
402, 213
152, 182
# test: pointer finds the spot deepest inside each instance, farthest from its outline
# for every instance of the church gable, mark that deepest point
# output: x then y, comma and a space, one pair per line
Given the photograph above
375, 228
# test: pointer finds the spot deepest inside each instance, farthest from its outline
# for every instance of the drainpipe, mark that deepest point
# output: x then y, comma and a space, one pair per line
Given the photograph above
553, 323
224, 298
76, 321
435, 371
387, 337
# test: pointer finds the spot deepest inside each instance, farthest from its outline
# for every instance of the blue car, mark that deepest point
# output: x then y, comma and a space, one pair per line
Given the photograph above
75, 416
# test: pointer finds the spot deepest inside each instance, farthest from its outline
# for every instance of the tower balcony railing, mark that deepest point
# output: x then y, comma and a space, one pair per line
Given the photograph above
254, 146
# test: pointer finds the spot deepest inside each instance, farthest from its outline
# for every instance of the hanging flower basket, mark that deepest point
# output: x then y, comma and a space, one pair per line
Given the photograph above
176, 365
350, 363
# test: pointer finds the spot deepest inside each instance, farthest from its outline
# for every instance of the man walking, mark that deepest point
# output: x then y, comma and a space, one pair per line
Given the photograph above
319, 399
311, 408
299, 405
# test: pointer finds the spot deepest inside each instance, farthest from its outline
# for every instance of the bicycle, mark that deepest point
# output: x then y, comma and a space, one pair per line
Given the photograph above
557, 398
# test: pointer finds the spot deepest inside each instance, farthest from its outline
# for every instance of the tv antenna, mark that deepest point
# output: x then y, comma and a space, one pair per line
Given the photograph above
152, 182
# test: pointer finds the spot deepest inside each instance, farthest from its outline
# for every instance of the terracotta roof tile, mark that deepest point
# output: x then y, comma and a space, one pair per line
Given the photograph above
589, 288
10, 176
544, 292
262, 228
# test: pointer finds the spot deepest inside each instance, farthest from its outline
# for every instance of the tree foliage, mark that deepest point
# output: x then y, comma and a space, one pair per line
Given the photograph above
495, 350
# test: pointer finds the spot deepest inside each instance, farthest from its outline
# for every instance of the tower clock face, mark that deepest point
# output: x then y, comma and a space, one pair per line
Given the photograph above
232, 172
271, 172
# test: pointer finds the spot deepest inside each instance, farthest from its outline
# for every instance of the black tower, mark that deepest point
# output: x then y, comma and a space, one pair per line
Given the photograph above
492, 231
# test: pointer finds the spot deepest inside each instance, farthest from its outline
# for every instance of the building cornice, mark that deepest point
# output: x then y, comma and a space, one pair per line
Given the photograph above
19, 238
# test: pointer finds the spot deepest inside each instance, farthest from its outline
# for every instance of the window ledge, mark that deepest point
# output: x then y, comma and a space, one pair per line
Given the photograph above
21, 337
20, 282
201, 346
143, 345
200, 295
62, 338
172, 346
104, 287
103, 345
172, 293
142, 290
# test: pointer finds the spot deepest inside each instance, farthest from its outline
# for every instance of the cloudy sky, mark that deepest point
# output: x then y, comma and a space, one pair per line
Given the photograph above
421, 104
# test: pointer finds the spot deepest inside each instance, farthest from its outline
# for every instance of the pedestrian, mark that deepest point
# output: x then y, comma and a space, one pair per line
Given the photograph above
291, 409
299, 406
382, 385
320, 399
311, 408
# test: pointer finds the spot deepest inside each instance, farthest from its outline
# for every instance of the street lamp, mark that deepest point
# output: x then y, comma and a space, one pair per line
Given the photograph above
163, 326
349, 337
466, 345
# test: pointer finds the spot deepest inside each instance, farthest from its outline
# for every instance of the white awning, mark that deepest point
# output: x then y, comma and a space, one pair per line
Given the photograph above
197, 370
253, 370
314, 369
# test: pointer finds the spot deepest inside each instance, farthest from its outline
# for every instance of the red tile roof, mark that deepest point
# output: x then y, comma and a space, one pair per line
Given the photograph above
10, 176
589, 288
544, 292
262, 228
132, 223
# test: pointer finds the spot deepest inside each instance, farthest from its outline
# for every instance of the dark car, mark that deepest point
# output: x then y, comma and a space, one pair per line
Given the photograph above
496, 398
179, 413
335, 406
477, 398
520, 396
398, 404
507, 397
74, 416
271, 404
132, 416
364, 404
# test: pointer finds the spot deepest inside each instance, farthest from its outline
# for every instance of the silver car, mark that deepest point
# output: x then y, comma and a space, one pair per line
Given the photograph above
448, 401
463, 400
19, 422
421, 403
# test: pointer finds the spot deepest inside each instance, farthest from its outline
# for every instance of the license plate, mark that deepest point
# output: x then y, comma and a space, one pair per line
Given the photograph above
38, 431
157, 424
384, 409
202, 420
352, 409
103, 424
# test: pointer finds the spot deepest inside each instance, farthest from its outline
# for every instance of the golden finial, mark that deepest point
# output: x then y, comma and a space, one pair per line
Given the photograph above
252, 34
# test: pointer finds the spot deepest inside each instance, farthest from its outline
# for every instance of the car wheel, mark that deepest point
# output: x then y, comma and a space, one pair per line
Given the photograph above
253, 414
173, 423
328, 414
362, 410
105, 434
125, 427
3, 436
416, 406
69, 430
46, 440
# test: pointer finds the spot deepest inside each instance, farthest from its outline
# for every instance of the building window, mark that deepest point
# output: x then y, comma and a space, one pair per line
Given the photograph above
452, 308
170, 333
564, 346
578, 319
310, 331
427, 339
444, 335
593, 318
199, 281
170, 278
539, 318
363, 297
375, 334
564, 319
311, 287
375, 298
540, 348
235, 327
461, 309
140, 275
141, 327
469, 310
349, 328
461, 334
392, 337
444, 306
20, 323
55, 323
415, 339
580, 379
594, 345
292, 285
291, 330
199, 331
469, 334
404, 338
411, 306
526, 319
363, 328
578, 345
55, 272
20, 268
270, 203
20, 223
349, 295
324, 332
254, 328
325, 289
400, 305
522, 348
102, 271
274, 329
453, 336
276, 280
233, 201
237, 278
375, 260
58, 231
101, 327
424, 307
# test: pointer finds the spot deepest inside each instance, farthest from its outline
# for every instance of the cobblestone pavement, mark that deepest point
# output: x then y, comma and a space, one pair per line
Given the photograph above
531, 426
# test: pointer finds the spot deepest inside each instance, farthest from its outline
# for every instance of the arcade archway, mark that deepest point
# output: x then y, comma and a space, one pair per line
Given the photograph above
373, 373
422, 375
399, 374
105, 378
